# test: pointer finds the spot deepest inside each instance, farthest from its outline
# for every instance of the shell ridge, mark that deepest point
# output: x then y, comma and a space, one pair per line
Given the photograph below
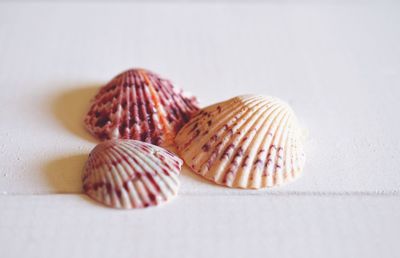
100, 191
286, 150
110, 187
256, 172
198, 117
181, 104
135, 129
246, 141
166, 89
158, 107
153, 116
125, 127
150, 164
144, 126
251, 120
128, 174
265, 145
147, 189
97, 189
271, 148
194, 120
151, 178
293, 160
180, 101
116, 114
276, 143
174, 110
113, 184
147, 165
292, 127
149, 116
279, 171
203, 117
299, 153
221, 129
245, 117
242, 169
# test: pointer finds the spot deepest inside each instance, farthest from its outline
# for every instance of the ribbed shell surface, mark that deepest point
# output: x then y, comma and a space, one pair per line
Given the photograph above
138, 104
245, 142
131, 174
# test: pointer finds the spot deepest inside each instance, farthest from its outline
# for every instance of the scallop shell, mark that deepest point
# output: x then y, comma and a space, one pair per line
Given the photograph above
140, 105
131, 174
246, 142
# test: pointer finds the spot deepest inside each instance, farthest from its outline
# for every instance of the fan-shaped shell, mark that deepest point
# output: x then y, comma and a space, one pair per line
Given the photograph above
245, 142
131, 174
138, 104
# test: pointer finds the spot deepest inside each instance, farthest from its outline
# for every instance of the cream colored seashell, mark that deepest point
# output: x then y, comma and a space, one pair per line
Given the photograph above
245, 142
131, 174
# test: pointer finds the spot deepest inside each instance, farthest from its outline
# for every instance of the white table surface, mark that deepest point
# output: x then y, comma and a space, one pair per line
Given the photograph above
336, 63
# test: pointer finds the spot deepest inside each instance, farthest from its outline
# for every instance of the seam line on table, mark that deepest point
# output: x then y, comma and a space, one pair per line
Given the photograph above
302, 193
378, 193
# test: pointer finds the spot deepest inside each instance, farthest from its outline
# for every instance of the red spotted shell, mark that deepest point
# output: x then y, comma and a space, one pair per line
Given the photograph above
140, 105
244, 142
131, 174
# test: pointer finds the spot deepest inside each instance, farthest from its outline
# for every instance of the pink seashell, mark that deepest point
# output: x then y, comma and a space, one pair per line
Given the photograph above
140, 105
131, 174
244, 142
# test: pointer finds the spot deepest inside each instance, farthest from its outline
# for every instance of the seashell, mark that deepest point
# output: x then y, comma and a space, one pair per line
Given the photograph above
140, 105
246, 142
131, 174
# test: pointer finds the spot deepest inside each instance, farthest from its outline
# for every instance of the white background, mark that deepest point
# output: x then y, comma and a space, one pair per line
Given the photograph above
336, 63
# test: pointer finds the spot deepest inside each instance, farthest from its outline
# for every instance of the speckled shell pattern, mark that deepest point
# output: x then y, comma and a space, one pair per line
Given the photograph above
138, 104
248, 141
130, 174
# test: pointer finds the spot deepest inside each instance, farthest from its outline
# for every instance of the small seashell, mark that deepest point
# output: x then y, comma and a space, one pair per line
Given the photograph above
131, 174
140, 105
245, 142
